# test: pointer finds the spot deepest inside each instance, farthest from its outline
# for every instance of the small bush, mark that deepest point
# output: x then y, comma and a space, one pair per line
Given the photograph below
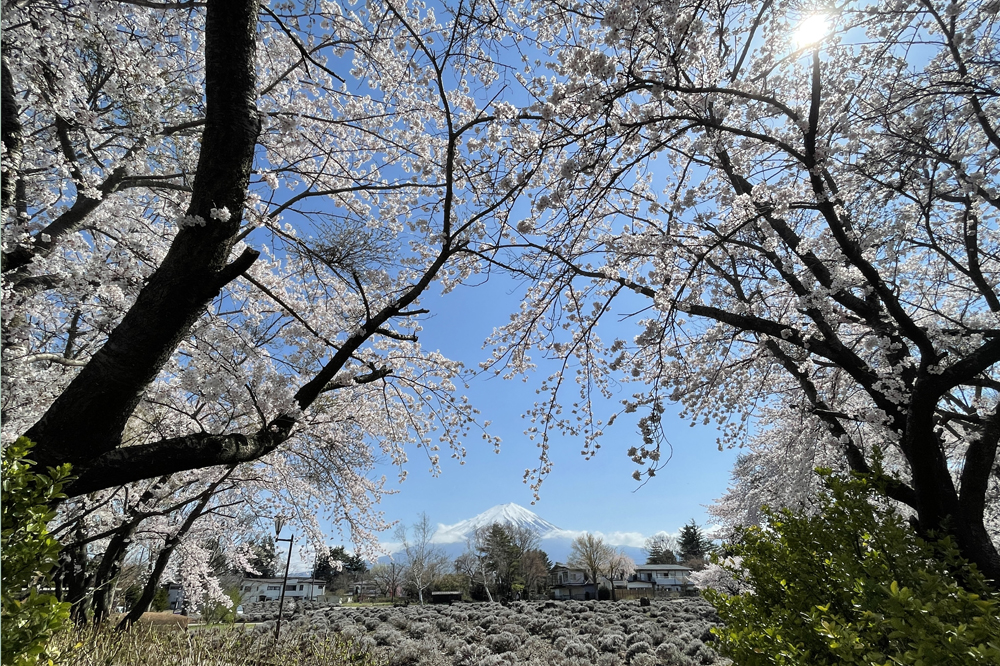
471, 655
28, 618
579, 650
503, 642
220, 646
388, 636
854, 585
634, 649
611, 643
407, 653
670, 654
421, 629
644, 659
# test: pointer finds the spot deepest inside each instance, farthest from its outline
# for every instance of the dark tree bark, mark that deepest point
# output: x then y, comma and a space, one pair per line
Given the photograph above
72, 580
106, 576
11, 184
84, 425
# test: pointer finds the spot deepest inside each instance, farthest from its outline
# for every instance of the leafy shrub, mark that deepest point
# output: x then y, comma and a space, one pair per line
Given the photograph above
224, 646
219, 613
421, 629
644, 659
406, 653
503, 642
634, 649
471, 655
517, 630
670, 654
612, 642
28, 618
580, 650
399, 621
854, 585
387, 636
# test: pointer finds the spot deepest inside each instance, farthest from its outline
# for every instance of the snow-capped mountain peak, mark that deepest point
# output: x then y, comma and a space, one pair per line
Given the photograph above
505, 514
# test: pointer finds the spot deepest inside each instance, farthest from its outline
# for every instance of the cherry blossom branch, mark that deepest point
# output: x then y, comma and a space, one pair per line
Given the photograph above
105, 392
949, 33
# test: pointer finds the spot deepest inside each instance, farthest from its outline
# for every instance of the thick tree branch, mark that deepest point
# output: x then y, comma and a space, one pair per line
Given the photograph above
143, 461
895, 489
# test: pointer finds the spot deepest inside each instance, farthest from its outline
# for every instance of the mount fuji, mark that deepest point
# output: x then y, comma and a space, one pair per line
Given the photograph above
556, 542
506, 514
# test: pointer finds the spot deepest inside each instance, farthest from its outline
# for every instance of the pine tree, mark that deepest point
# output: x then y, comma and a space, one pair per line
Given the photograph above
660, 550
336, 577
693, 543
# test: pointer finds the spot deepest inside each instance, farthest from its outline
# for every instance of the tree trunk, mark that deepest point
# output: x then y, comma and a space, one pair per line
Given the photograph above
939, 510
11, 183
71, 580
88, 418
106, 577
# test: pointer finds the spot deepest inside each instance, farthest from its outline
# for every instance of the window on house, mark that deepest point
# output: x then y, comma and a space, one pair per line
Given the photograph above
289, 588
302, 587
273, 587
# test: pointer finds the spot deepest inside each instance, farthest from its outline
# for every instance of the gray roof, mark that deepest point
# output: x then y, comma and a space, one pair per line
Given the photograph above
662, 567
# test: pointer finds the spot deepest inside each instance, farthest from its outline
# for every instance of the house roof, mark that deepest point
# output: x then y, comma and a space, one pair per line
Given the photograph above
291, 579
562, 567
662, 567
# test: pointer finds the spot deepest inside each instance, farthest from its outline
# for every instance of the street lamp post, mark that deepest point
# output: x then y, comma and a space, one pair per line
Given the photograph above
278, 522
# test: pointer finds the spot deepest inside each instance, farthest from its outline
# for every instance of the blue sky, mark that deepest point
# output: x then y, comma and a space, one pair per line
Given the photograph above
598, 495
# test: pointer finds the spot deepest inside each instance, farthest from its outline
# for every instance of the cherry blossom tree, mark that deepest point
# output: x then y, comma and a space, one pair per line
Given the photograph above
805, 226
218, 222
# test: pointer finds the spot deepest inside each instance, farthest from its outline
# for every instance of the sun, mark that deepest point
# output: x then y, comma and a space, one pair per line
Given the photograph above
811, 30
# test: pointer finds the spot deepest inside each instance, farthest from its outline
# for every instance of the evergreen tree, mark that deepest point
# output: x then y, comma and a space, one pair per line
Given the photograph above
693, 543
336, 576
660, 550
535, 567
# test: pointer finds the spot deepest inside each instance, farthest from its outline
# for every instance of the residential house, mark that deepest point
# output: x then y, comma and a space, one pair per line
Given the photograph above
567, 583
663, 577
269, 589
368, 589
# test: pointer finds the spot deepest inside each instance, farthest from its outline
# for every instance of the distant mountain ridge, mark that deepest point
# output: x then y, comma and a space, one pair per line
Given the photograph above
555, 541
505, 514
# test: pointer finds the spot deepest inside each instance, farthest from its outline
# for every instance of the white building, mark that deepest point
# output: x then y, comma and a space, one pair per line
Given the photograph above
269, 589
673, 577
569, 583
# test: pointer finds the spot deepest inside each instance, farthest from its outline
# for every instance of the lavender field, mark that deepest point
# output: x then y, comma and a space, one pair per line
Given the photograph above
672, 632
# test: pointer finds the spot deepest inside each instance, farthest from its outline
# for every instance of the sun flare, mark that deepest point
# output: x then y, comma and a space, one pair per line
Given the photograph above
811, 30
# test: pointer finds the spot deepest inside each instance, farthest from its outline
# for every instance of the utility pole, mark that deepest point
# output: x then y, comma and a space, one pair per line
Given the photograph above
278, 522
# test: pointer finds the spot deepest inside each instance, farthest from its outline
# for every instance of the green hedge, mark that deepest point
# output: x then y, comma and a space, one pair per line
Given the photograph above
853, 585
28, 617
